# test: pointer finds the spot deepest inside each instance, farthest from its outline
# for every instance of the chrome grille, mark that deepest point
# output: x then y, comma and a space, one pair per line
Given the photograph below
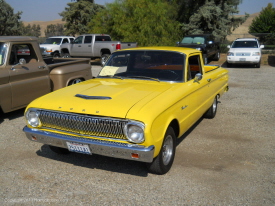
243, 54
83, 124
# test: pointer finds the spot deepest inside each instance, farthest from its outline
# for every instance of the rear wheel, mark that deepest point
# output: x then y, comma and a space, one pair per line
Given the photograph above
59, 150
211, 112
217, 56
163, 162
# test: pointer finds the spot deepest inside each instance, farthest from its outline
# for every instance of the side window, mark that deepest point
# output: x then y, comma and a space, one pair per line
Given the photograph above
65, 40
22, 51
88, 39
194, 67
71, 39
78, 40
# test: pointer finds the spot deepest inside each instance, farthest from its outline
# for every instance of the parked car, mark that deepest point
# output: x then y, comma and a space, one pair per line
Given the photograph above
245, 51
205, 43
93, 46
51, 47
141, 102
25, 75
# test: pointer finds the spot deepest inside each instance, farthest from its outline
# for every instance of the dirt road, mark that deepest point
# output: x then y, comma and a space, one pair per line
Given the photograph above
229, 160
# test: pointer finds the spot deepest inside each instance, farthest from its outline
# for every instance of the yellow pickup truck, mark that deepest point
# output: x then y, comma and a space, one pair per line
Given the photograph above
141, 102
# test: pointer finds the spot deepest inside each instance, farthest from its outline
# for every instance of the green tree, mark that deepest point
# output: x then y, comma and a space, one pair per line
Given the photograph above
77, 16
209, 16
263, 26
34, 30
54, 30
10, 23
149, 22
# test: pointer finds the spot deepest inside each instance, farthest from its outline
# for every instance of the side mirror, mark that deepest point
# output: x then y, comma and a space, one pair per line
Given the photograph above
198, 77
262, 46
228, 46
22, 61
178, 43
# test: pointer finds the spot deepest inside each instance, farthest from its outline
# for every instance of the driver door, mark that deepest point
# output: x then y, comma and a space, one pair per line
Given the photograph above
30, 80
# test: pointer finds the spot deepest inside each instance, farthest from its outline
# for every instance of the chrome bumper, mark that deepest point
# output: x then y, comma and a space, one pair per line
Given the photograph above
100, 147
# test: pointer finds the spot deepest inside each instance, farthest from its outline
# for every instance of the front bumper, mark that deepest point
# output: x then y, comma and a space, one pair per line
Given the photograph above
100, 147
243, 60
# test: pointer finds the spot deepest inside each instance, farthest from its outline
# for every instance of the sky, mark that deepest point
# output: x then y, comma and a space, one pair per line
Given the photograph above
47, 10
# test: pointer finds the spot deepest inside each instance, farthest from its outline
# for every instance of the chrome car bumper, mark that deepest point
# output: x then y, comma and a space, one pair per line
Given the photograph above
100, 147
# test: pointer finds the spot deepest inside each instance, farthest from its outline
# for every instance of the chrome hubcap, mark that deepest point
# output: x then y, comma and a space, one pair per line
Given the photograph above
167, 150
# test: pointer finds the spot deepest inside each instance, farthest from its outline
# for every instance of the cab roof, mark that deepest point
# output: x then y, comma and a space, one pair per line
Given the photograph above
17, 38
165, 48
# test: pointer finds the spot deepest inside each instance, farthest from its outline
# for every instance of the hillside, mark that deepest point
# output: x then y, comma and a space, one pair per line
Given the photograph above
241, 31
44, 24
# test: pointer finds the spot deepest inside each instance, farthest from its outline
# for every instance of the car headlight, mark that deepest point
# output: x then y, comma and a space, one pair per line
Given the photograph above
198, 49
32, 117
134, 131
230, 54
256, 54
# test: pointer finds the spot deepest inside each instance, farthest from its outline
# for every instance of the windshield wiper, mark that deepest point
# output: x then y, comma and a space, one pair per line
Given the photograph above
144, 77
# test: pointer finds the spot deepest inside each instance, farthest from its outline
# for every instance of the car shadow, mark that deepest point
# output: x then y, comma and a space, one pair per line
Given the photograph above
97, 162
11, 115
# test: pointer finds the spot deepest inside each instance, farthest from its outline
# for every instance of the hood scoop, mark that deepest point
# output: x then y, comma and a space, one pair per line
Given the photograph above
92, 97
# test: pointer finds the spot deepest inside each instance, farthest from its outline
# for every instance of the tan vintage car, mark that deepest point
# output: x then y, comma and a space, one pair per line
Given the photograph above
25, 75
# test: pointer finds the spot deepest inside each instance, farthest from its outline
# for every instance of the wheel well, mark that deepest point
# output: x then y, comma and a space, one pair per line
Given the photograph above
175, 125
65, 51
81, 78
105, 51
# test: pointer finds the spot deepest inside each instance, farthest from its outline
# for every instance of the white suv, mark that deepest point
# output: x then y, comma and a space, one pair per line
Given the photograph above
245, 51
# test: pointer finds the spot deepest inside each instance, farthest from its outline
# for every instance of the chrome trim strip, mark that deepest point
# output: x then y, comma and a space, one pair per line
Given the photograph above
105, 148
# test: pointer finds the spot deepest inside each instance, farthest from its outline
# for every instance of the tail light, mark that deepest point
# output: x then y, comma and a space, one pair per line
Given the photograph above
118, 46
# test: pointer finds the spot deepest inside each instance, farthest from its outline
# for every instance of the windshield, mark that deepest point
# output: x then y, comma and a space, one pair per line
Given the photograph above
193, 40
53, 41
3, 52
245, 44
149, 65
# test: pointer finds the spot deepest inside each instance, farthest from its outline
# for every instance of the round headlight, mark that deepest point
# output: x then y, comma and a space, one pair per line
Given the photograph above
32, 118
134, 132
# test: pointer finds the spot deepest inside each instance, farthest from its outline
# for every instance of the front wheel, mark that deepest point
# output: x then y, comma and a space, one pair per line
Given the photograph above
211, 112
103, 59
66, 55
163, 162
217, 56
75, 81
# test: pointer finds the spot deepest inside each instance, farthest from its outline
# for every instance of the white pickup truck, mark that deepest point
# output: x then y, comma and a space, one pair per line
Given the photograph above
93, 46
51, 47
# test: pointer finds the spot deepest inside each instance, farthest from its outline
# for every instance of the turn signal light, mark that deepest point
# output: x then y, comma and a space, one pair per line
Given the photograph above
135, 155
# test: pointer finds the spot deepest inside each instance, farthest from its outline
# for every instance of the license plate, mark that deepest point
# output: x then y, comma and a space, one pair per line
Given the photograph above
78, 147
242, 59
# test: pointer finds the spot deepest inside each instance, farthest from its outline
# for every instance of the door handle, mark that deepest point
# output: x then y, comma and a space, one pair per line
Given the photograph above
209, 80
79, 46
41, 67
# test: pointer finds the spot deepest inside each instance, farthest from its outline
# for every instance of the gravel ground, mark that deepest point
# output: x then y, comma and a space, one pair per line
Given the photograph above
225, 161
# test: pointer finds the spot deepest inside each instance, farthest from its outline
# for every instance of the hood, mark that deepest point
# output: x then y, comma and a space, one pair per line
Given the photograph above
102, 97
49, 46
